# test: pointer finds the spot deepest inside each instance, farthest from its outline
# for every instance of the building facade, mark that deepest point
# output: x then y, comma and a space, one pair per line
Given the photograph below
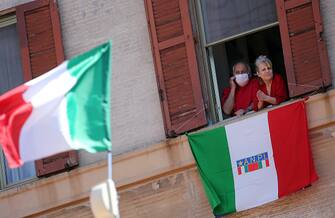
169, 65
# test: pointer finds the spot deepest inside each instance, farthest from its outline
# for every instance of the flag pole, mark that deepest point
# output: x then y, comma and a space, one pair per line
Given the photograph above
110, 157
104, 197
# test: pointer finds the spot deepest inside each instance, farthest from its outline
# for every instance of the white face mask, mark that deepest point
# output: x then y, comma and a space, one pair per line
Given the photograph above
242, 79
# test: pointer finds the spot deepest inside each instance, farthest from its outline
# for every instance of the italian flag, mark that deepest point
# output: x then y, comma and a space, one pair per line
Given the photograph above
65, 108
255, 160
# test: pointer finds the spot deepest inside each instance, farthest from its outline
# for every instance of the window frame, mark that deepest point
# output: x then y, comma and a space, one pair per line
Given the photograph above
60, 162
3, 183
210, 74
214, 109
8, 18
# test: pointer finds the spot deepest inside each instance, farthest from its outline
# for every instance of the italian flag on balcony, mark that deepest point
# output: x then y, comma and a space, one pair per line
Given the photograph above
255, 160
66, 108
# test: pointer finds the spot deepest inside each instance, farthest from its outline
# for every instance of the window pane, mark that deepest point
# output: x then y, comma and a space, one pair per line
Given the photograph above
224, 18
15, 175
11, 75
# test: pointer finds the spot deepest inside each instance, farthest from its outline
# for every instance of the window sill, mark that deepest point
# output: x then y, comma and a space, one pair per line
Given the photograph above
320, 109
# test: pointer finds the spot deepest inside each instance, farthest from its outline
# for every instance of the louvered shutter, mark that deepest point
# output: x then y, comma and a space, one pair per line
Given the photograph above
56, 163
41, 50
176, 65
305, 54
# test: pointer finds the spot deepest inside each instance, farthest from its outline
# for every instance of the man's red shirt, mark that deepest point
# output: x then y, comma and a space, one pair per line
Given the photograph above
244, 96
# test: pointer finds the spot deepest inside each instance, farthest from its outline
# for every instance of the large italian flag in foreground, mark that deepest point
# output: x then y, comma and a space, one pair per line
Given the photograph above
66, 108
255, 160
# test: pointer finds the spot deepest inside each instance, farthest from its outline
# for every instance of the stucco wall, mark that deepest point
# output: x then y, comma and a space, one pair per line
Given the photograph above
5, 4
136, 113
171, 187
328, 16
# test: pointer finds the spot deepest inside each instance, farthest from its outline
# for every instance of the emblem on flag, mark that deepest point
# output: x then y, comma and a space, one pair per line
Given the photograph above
252, 163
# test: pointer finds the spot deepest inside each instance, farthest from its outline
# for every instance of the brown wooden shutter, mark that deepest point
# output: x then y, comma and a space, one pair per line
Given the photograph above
305, 54
176, 65
41, 50
56, 163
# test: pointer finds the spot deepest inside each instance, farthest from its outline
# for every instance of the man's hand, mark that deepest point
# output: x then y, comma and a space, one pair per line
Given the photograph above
229, 103
232, 83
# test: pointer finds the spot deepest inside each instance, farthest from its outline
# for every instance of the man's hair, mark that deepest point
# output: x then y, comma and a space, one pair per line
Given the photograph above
262, 60
244, 63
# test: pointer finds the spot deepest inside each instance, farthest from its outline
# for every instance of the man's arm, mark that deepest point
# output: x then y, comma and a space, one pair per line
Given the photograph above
229, 103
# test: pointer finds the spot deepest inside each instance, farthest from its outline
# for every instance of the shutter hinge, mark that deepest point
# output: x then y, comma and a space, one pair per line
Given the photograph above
172, 134
323, 88
206, 105
320, 36
161, 94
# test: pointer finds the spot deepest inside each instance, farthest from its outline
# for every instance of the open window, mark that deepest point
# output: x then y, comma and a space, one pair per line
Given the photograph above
239, 31
248, 47
292, 39
289, 32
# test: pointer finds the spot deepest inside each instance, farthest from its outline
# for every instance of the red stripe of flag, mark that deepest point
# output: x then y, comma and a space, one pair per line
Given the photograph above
239, 171
267, 163
291, 148
253, 167
14, 112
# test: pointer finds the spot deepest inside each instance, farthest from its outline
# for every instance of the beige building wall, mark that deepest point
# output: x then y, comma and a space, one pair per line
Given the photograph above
328, 16
136, 112
5, 4
161, 180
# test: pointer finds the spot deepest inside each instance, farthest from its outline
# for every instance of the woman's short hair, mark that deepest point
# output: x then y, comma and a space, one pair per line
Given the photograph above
262, 59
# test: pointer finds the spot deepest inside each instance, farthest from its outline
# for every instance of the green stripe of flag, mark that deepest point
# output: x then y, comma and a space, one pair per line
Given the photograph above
88, 102
206, 146
260, 166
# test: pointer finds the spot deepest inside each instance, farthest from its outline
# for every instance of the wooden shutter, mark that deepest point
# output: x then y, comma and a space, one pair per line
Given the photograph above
176, 65
305, 53
41, 50
56, 163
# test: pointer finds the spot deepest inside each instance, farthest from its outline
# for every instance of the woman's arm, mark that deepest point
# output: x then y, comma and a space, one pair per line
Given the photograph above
278, 92
271, 100
261, 96
260, 105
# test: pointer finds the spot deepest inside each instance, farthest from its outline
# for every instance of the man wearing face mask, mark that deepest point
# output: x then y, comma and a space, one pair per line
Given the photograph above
238, 98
